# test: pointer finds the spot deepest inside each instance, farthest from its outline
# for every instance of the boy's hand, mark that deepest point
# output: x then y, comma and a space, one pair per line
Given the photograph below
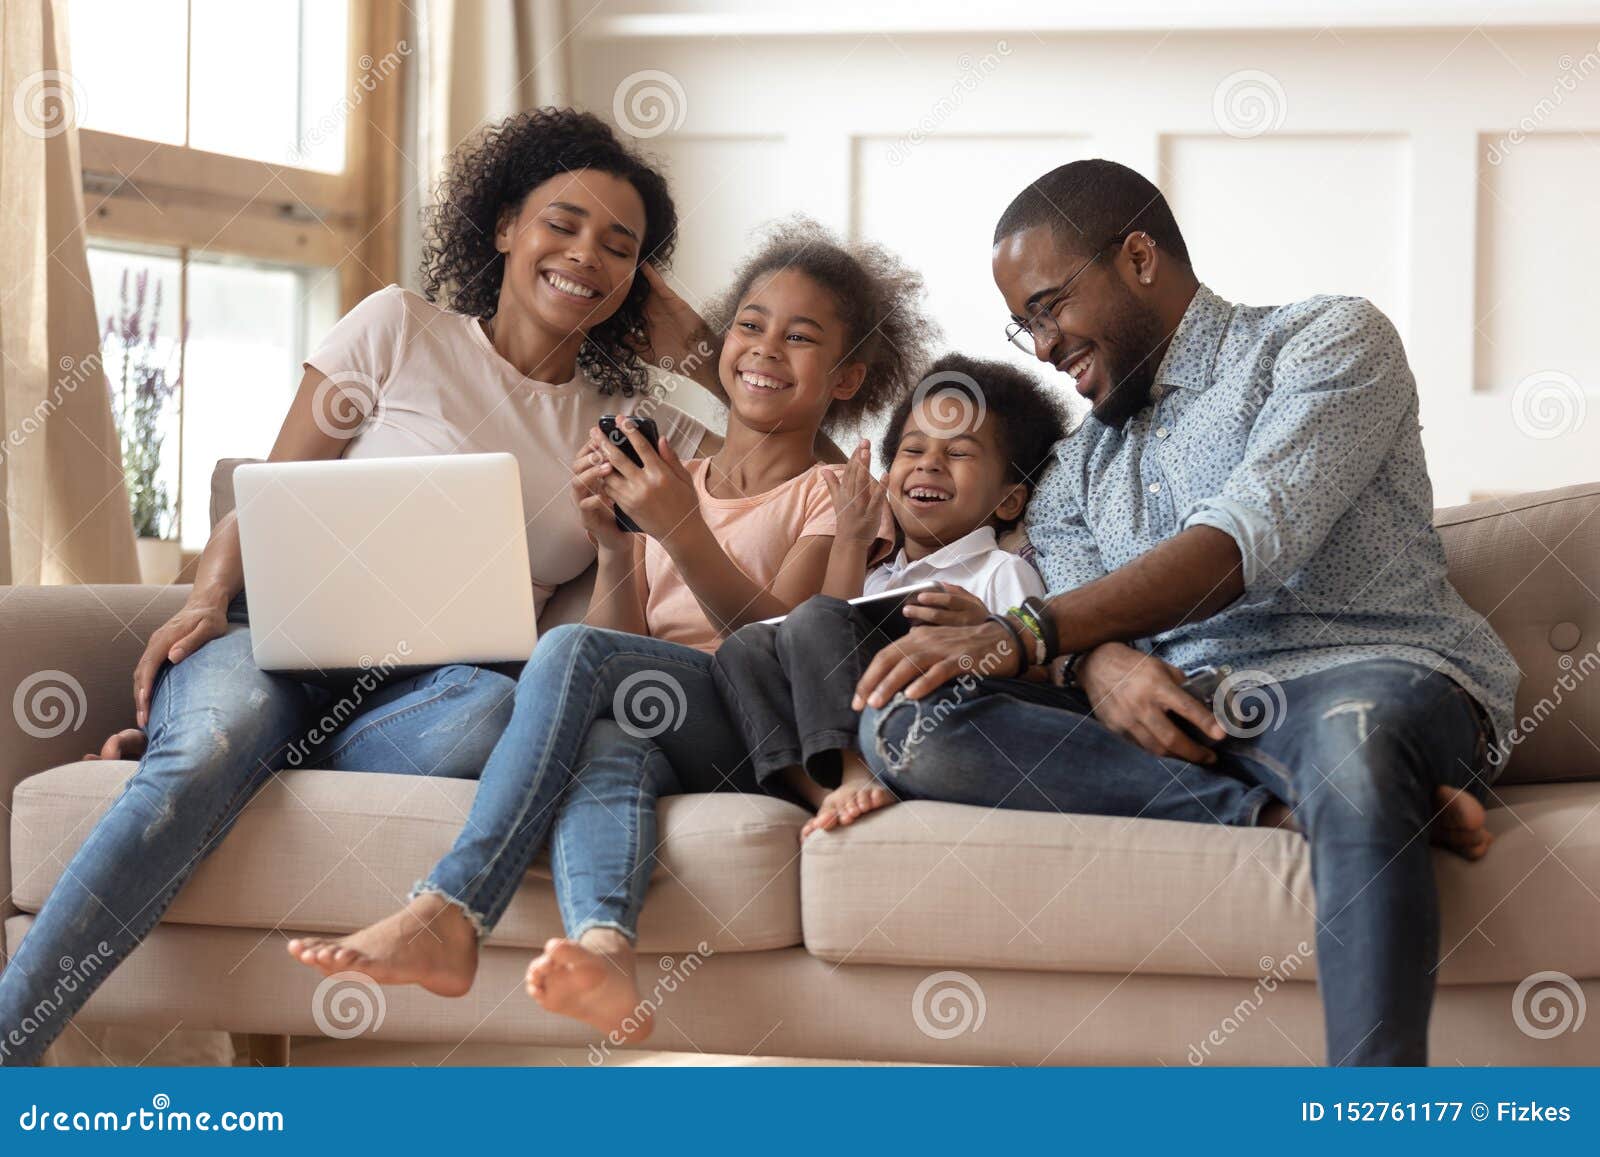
659, 496
858, 498
948, 607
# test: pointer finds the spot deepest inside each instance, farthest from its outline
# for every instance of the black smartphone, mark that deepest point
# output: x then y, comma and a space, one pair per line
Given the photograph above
619, 439
1202, 683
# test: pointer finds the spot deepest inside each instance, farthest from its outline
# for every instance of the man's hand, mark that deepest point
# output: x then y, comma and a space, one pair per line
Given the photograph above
1136, 695
929, 657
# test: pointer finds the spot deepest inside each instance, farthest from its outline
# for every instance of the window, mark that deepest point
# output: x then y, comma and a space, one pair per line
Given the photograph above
243, 159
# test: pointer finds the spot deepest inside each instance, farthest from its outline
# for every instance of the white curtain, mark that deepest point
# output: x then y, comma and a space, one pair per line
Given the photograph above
63, 509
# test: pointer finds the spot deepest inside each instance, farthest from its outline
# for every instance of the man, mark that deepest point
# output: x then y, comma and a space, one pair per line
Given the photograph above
1249, 491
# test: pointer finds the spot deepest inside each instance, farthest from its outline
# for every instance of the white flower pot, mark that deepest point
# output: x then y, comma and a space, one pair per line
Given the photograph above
160, 559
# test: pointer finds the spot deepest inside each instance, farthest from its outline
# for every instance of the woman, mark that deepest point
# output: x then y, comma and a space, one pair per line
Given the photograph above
539, 249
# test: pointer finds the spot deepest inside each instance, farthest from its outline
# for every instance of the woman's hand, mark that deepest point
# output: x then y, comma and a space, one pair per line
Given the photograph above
679, 338
858, 498
196, 624
659, 496
1136, 695
597, 512
951, 606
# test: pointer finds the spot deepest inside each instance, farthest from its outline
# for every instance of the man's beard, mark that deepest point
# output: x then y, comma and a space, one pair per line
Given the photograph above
1130, 361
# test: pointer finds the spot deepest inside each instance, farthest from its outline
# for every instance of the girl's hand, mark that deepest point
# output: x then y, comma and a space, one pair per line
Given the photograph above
950, 606
659, 496
596, 511
858, 498
679, 338
195, 624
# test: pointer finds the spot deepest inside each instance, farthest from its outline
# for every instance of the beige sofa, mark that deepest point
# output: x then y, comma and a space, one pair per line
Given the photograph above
933, 932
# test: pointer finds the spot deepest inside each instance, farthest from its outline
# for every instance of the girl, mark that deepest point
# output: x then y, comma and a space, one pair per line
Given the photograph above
535, 306
818, 333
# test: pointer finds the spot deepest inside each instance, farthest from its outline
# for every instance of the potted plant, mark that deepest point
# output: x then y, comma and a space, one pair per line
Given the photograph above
140, 395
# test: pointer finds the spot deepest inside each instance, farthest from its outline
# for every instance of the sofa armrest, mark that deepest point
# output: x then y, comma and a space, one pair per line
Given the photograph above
66, 679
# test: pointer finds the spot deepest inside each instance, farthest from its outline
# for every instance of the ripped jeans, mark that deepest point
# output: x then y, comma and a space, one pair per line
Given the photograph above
219, 729
1357, 752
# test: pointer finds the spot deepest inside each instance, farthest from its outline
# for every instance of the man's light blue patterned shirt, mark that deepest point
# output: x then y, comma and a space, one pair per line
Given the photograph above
1294, 430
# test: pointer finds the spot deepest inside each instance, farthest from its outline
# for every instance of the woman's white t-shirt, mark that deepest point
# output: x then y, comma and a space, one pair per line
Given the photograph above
431, 382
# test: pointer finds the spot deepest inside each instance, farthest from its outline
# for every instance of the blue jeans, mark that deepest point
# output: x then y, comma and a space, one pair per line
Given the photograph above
1356, 751
219, 729
605, 724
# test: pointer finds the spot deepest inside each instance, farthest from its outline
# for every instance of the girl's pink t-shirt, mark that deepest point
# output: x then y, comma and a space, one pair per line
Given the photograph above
757, 533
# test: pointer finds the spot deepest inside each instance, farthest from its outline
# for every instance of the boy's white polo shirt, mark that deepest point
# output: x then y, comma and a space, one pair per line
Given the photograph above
975, 563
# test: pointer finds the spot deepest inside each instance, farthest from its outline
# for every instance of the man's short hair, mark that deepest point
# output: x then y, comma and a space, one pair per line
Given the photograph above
1089, 204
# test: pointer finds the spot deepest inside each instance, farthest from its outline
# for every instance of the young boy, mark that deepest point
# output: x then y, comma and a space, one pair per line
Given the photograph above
961, 456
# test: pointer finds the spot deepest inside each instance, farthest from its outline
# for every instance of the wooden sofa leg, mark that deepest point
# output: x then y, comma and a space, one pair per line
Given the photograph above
262, 1050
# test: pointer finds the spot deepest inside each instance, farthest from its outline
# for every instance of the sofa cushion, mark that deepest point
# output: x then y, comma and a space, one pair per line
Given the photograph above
326, 851
946, 885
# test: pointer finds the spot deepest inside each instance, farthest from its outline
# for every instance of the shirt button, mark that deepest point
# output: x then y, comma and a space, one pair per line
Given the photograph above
1162, 431
1155, 488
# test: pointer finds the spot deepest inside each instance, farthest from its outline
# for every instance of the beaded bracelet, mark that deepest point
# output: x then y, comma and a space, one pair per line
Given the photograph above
1027, 618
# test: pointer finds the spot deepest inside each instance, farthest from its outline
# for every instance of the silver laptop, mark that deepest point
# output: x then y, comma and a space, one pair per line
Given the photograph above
392, 563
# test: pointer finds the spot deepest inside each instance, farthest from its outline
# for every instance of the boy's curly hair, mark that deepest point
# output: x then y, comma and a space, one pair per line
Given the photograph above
878, 298
1029, 419
491, 174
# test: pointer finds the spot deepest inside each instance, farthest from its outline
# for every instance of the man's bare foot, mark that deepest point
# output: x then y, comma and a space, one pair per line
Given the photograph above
858, 793
591, 979
128, 743
430, 942
1460, 825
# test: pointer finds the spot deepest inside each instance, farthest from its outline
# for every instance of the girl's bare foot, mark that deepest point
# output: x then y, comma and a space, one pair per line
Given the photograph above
430, 942
128, 743
591, 979
1460, 825
858, 793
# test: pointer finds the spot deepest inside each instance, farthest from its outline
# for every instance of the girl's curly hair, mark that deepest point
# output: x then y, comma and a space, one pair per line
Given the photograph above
491, 174
878, 298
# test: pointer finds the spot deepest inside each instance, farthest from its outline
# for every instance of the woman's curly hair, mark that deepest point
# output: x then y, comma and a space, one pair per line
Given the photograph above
491, 174
878, 298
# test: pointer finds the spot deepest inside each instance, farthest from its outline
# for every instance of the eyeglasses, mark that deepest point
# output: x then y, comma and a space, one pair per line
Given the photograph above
1041, 330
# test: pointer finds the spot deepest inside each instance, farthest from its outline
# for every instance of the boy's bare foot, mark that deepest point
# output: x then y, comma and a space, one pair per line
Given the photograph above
1460, 825
592, 980
858, 793
128, 743
430, 942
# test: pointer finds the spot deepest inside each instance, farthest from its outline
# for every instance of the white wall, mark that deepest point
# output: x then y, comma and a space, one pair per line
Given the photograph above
1299, 158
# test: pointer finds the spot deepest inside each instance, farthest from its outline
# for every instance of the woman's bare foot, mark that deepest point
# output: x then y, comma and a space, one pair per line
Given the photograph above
430, 942
858, 793
128, 743
591, 979
1460, 825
